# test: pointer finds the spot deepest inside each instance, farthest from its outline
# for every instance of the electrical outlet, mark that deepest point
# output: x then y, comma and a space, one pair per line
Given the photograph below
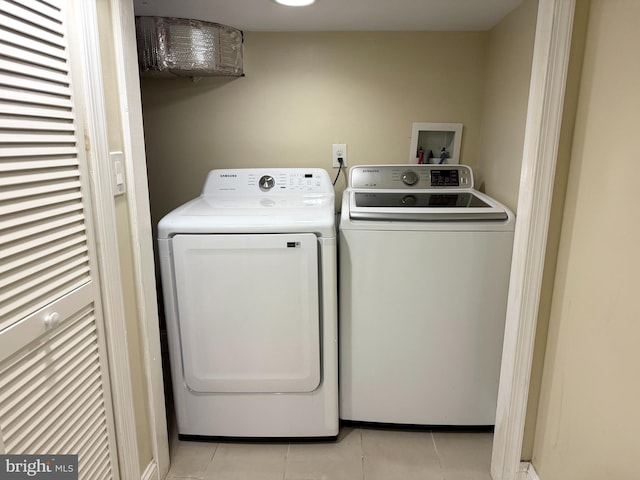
339, 151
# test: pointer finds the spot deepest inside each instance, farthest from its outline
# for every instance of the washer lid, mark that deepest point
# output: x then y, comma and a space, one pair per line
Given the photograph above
440, 205
419, 193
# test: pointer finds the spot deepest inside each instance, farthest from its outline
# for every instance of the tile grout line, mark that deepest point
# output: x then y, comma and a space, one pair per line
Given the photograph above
286, 462
215, 450
435, 447
213, 454
361, 452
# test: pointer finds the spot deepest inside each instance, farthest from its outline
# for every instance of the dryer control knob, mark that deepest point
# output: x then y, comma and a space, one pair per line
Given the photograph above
410, 177
266, 183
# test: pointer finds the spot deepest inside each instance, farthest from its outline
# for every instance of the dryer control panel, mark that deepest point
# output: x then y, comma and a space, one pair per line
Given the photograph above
261, 181
411, 176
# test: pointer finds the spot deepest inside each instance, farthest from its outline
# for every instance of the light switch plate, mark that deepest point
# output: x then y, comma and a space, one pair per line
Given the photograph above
117, 173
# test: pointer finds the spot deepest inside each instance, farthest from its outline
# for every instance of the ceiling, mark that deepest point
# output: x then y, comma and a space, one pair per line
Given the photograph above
337, 15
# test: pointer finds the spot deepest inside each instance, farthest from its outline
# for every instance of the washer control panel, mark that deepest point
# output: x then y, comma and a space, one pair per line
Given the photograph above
260, 181
387, 177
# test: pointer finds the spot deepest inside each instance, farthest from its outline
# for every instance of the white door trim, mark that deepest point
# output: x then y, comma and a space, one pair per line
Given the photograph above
86, 52
124, 39
542, 132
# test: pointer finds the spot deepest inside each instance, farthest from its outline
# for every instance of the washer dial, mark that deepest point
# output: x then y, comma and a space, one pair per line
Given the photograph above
410, 177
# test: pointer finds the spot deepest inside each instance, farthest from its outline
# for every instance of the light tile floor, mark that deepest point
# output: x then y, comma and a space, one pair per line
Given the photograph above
357, 454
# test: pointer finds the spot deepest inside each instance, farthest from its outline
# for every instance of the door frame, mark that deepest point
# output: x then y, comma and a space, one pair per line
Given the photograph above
542, 132
124, 40
88, 53
84, 53
548, 78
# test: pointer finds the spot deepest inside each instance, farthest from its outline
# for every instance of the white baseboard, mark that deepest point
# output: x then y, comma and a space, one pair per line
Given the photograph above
527, 472
151, 472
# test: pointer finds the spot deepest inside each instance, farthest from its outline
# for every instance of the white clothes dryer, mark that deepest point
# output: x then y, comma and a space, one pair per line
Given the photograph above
424, 274
249, 280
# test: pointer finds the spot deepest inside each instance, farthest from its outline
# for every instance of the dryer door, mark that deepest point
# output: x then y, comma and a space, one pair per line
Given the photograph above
248, 312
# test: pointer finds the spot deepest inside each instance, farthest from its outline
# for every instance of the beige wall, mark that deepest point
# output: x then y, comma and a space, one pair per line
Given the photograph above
506, 95
588, 418
555, 222
505, 103
134, 345
304, 91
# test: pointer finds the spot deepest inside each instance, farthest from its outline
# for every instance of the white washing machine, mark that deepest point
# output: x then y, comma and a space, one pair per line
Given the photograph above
249, 280
423, 273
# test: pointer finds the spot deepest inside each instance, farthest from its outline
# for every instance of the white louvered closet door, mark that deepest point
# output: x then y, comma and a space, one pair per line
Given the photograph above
53, 378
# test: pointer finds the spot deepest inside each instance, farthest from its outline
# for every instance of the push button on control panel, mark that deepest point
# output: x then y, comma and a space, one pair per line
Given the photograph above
304, 182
